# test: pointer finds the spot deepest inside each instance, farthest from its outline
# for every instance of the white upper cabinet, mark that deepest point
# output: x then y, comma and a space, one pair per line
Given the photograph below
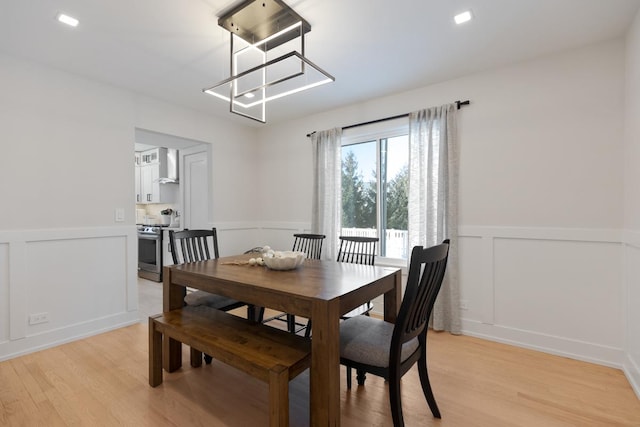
153, 166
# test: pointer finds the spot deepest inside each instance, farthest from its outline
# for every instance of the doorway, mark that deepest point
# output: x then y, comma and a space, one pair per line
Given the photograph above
193, 202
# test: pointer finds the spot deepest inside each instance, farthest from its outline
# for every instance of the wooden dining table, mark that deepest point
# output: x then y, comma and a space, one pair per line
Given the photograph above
319, 290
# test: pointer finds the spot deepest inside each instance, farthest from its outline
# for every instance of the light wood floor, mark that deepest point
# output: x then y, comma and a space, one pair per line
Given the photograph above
103, 381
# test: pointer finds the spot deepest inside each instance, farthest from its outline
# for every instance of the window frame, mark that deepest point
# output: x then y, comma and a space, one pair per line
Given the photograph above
377, 132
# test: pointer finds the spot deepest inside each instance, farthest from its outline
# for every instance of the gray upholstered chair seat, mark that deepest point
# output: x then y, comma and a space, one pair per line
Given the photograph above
367, 340
210, 300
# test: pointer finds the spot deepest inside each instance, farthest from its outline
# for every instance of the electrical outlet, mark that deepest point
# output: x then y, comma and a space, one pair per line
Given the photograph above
119, 214
34, 319
464, 304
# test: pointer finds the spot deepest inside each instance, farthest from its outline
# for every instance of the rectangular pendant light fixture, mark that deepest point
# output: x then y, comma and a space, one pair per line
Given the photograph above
261, 30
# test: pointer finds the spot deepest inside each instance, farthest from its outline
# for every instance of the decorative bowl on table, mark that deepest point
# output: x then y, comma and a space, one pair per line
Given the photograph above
283, 260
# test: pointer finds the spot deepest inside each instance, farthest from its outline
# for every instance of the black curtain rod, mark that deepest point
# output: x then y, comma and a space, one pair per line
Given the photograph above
458, 105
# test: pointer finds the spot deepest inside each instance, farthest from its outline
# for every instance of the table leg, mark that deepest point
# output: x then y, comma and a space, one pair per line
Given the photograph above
392, 298
325, 364
172, 298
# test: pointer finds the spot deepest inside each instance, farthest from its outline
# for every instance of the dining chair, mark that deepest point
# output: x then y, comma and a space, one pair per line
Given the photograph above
389, 350
193, 246
311, 245
358, 250
355, 250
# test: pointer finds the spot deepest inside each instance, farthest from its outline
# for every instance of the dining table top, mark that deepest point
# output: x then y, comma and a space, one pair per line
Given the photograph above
313, 280
322, 291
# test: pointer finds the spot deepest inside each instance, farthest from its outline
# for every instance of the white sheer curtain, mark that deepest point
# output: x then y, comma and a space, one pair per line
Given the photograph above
327, 188
433, 200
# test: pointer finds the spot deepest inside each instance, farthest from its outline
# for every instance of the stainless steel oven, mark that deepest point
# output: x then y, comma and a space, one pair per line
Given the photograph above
150, 252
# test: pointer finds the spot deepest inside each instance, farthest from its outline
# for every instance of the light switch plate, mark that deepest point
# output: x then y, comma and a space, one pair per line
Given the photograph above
119, 215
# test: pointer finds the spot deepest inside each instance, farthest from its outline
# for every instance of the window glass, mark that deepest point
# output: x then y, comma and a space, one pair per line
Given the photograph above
395, 170
359, 189
374, 189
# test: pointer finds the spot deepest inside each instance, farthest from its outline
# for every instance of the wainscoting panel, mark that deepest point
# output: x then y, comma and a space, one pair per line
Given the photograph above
560, 288
632, 308
236, 238
554, 290
63, 284
75, 280
4, 292
280, 235
476, 286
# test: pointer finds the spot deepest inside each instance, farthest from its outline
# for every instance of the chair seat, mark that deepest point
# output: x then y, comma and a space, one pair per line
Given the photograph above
367, 340
210, 300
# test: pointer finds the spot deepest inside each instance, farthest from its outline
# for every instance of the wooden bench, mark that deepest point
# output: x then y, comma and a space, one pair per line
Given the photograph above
271, 355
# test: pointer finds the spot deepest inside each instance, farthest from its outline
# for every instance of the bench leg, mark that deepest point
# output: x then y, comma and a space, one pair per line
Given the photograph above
196, 358
172, 354
155, 354
279, 396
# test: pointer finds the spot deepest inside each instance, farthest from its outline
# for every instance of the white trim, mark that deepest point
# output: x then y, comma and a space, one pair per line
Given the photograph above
294, 227
487, 280
40, 235
298, 227
631, 238
543, 233
631, 368
632, 372
52, 338
17, 289
560, 346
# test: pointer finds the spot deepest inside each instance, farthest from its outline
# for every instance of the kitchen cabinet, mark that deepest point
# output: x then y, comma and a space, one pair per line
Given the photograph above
138, 161
153, 156
153, 166
150, 190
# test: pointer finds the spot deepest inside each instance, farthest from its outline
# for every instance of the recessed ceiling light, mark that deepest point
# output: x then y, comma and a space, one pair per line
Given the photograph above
463, 17
69, 20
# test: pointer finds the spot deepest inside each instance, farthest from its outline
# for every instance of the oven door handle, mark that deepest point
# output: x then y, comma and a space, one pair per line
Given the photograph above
148, 237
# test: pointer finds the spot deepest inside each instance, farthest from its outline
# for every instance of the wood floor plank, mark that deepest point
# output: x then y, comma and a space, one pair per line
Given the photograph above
102, 380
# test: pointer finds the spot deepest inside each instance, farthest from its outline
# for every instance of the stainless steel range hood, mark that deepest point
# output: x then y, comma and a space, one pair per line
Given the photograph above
172, 168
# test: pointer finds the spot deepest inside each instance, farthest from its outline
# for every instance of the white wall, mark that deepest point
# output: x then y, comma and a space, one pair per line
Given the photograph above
66, 165
632, 206
540, 206
540, 196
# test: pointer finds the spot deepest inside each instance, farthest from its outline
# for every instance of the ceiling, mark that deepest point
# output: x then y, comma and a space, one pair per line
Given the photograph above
172, 49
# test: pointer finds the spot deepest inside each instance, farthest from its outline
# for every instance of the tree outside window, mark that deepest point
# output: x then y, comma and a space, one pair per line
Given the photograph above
377, 207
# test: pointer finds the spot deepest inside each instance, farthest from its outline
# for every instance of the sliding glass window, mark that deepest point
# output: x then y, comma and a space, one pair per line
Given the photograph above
374, 185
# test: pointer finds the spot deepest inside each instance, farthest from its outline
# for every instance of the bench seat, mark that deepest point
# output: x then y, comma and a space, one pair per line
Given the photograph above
270, 355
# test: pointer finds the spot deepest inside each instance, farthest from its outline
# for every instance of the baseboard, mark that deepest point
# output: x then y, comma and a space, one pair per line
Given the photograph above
559, 346
53, 338
632, 372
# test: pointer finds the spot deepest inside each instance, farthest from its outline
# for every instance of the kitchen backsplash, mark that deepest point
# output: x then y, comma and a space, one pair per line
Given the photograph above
150, 213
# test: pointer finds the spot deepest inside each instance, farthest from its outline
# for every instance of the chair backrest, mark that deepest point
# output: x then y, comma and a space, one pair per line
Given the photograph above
310, 244
357, 250
192, 245
426, 272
